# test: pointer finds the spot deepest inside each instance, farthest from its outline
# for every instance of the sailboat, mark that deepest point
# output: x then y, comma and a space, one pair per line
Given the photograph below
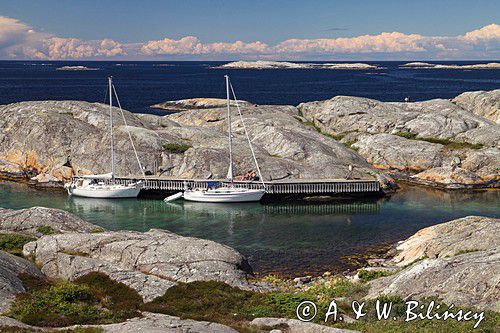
229, 193
104, 185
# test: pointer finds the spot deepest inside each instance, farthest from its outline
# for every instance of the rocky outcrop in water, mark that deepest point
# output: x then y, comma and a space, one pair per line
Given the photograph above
10, 284
315, 140
195, 103
78, 136
491, 65
414, 137
37, 221
455, 261
264, 64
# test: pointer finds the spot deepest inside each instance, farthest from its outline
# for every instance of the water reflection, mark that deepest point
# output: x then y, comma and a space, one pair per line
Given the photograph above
289, 238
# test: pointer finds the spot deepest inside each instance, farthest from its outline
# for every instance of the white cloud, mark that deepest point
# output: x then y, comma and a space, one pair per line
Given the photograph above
192, 45
73, 48
19, 40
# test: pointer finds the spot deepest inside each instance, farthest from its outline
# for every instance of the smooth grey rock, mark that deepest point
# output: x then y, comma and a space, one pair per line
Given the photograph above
10, 284
394, 152
461, 258
76, 130
484, 162
11, 323
148, 323
147, 262
449, 238
72, 266
27, 221
297, 326
482, 103
449, 177
355, 119
285, 147
463, 280
160, 323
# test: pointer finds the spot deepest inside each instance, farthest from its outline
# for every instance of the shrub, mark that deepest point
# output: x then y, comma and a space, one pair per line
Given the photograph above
176, 148
366, 276
46, 230
63, 304
13, 243
91, 299
32, 283
123, 301
450, 144
407, 135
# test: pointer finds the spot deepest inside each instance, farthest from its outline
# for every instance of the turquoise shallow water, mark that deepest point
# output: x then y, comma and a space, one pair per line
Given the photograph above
285, 238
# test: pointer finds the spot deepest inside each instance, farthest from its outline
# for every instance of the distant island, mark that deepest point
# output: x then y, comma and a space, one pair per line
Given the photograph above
261, 64
76, 68
491, 65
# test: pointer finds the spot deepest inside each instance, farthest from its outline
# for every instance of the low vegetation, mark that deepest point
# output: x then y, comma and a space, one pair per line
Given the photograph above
46, 230
176, 148
92, 299
13, 243
450, 144
366, 276
95, 299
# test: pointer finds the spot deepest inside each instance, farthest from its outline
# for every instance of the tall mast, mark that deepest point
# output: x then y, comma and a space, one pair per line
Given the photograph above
110, 82
230, 171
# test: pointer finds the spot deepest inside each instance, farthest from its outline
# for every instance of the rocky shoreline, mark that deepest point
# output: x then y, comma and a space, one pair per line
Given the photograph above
449, 261
449, 144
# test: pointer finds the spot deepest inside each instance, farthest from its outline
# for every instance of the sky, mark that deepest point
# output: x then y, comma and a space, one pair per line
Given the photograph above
257, 29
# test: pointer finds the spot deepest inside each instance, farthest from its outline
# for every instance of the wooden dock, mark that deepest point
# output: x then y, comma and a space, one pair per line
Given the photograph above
295, 186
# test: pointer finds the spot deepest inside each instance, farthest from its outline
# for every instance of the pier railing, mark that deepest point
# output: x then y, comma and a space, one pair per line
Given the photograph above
296, 186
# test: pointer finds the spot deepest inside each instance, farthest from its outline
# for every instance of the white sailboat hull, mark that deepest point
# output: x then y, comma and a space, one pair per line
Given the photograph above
106, 191
224, 195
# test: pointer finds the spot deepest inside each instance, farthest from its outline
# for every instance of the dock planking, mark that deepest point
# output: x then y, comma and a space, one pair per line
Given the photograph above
296, 186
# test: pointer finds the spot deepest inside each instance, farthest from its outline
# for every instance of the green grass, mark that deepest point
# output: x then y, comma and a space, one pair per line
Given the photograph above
75, 253
366, 276
219, 302
91, 299
466, 251
407, 135
13, 243
46, 230
450, 144
95, 299
176, 148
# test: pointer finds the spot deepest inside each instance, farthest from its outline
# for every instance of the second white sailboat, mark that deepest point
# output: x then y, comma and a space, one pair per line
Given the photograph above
228, 193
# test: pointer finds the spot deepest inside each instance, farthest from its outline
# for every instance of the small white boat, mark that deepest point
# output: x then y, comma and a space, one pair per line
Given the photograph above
104, 186
227, 193
224, 194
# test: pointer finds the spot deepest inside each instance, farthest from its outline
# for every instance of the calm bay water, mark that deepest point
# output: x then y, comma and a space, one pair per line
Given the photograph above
286, 238
141, 84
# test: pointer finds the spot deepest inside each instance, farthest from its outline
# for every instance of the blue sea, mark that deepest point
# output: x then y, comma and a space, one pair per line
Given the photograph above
141, 84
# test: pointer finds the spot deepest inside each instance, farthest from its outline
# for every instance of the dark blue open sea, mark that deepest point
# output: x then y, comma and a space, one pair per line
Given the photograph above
141, 84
